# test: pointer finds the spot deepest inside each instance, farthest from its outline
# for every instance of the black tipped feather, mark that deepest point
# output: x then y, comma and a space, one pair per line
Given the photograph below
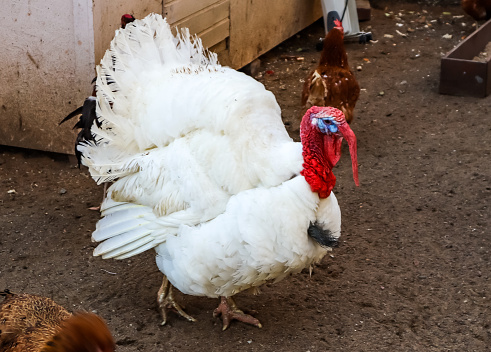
323, 237
86, 120
76, 112
87, 111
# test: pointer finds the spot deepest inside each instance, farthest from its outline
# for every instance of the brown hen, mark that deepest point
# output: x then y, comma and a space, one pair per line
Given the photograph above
332, 83
478, 9
30, 323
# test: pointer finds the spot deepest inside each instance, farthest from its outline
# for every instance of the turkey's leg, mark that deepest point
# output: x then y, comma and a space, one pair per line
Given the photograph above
103, 198
228, 310
165, 298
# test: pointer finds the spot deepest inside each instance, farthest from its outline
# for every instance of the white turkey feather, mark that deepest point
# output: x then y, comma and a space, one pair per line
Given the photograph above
204, 169
139, 109
246, 245
124, 243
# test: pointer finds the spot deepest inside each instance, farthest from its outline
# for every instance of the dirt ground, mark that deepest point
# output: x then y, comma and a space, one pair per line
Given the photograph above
412, 269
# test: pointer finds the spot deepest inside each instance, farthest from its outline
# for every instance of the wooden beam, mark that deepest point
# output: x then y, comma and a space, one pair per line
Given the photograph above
363, 10
178, 10
107, 18
205, 18
216, 33
257, 25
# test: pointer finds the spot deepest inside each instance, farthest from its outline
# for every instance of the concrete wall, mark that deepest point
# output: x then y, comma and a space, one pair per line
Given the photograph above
47, 65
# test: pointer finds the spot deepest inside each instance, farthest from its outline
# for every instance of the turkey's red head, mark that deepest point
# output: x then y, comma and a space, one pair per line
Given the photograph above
322, 131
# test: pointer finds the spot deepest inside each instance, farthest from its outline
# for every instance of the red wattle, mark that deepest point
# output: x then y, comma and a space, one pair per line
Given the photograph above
318, 176
321, 151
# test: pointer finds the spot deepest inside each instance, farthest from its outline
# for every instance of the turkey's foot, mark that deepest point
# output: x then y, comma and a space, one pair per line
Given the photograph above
229, 311
165, 299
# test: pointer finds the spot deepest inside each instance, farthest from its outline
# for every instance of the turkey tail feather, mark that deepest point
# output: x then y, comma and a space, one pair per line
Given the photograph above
75, 112
87, 118
143, 49
125, 230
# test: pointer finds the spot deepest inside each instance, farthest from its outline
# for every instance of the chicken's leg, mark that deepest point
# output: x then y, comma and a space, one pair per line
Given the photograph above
165, 298
229, 311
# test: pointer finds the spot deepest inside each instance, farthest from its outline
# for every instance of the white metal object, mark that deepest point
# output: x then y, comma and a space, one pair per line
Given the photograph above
350, 20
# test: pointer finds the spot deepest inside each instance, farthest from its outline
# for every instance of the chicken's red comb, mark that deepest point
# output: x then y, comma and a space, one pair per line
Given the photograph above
125, 19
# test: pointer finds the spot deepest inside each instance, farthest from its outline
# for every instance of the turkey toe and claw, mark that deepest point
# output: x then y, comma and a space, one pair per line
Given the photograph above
165, 298
229, 311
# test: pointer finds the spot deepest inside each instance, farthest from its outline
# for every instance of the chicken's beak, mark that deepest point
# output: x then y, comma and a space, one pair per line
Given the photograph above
334, 150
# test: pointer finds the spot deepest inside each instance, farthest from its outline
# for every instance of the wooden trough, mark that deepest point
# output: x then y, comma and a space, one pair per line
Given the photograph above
460, 74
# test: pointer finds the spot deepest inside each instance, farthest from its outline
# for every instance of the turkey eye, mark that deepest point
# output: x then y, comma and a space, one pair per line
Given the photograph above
321, 124
328, 124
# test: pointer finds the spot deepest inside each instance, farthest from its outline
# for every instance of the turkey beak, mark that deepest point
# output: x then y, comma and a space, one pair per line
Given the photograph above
350, 137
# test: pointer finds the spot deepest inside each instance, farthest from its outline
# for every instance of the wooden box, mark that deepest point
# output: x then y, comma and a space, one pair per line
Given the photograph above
460, 74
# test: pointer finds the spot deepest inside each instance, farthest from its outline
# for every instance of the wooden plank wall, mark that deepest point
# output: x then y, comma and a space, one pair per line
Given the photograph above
238, 30
258, 25
209, 19
107, 18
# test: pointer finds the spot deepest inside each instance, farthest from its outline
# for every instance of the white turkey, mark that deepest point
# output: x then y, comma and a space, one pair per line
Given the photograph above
205, 172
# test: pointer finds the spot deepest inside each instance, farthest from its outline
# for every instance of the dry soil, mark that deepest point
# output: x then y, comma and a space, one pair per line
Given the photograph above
412, 269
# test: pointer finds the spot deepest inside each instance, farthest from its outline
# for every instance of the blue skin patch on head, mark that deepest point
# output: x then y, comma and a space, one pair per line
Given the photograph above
327, 124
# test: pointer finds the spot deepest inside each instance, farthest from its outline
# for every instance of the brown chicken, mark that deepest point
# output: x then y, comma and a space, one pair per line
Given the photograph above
332, 83
478, 9
31, 323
